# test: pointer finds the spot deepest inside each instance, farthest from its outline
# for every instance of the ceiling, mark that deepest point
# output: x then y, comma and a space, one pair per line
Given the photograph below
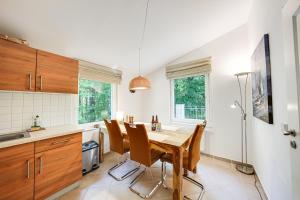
108, 32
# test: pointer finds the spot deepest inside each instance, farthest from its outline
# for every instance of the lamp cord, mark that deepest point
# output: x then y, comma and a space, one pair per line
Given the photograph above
255, 184
139, 61
143, 35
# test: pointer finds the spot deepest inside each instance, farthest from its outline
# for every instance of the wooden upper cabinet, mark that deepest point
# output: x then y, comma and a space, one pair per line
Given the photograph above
17, 66
56, 73
26, 69
17, 172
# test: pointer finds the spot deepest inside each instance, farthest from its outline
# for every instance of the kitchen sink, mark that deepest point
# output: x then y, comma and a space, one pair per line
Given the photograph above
14, 136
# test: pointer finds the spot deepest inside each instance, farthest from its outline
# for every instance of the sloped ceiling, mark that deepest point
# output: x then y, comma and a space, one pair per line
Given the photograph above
108, 32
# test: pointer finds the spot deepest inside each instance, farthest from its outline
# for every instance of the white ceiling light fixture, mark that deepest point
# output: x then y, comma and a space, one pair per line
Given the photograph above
140, 82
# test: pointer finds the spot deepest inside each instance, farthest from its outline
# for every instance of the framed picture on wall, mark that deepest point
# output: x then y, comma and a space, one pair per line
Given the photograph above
261, 81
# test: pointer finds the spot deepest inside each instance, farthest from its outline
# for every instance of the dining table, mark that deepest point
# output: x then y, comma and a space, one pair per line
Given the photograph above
174, 139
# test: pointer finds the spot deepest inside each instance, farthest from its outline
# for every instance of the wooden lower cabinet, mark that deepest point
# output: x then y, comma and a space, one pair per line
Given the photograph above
26, 174
57, 168
17, 172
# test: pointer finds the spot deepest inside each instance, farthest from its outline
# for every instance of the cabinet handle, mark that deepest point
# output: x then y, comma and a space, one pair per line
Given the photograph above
41, 79
28, 169
62, 141
41, 164
29, 81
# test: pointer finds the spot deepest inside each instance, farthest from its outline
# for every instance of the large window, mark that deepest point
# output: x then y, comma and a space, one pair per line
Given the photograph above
95, 101
189, 98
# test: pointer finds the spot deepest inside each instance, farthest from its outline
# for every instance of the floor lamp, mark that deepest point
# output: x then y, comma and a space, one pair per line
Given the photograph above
243, 167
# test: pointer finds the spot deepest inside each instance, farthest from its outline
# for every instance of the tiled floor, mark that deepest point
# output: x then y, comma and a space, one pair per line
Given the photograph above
220, 179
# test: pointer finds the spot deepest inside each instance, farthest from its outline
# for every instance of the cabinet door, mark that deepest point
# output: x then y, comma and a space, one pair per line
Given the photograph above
57, 168
56, 73
17, 66
17, 172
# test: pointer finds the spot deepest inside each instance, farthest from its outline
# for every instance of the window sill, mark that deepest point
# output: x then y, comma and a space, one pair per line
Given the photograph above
190, 123
91, 125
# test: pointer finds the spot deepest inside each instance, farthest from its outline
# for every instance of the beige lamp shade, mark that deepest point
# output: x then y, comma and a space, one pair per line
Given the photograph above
139, 83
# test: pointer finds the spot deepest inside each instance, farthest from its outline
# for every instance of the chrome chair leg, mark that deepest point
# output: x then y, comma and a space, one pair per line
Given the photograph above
163, 166
129, 173
144, 196
197, 184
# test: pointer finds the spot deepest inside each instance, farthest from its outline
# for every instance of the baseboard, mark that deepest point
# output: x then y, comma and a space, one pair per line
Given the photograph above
262, 191
221, 158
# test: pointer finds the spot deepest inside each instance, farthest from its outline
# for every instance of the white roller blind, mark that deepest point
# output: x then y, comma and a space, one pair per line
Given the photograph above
190, 68
101, 73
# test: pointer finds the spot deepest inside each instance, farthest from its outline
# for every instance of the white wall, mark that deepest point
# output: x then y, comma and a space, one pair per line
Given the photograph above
230, 54
270, 147
17, 109
129, 103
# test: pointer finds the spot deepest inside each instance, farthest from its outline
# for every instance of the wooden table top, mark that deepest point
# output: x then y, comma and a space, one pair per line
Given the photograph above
169, 135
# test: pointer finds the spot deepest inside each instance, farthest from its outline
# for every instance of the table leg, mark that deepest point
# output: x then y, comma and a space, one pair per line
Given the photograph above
177, 173
101, 147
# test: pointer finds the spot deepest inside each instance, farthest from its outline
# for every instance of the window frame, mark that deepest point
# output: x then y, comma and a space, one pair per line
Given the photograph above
114, 100
175, 120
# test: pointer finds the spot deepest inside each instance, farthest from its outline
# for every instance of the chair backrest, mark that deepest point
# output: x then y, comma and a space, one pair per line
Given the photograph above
139, 144
194, 147
115, 136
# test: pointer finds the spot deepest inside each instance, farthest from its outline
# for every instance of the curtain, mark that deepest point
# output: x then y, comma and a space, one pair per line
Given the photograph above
191, 68
100, 73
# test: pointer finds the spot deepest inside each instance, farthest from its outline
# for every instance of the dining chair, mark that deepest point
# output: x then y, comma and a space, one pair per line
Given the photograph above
119, 144
191, 157
143, 152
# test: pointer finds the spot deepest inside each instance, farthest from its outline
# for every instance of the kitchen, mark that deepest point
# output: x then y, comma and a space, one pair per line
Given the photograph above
148, 99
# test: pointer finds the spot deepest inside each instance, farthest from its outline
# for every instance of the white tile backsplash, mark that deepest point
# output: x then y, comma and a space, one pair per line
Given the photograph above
5, 101
6, 96
17, 124
17, 109
5, 124
5, 109
28, 99
27, 116
5, 117
16, 117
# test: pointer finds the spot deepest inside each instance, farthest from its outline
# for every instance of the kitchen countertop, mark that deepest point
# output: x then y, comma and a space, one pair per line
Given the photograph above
50, 132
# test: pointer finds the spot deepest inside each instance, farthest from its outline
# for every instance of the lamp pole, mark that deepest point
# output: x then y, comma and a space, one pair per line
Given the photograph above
243, 167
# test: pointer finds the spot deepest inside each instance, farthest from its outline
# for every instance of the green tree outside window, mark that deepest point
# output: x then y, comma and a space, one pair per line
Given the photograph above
189, 98
94, 101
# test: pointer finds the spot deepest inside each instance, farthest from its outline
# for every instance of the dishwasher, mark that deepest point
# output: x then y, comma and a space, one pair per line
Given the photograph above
90, 156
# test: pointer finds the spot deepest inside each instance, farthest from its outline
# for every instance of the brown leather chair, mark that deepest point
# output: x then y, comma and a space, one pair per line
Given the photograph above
119, 144
143, 152
191, 157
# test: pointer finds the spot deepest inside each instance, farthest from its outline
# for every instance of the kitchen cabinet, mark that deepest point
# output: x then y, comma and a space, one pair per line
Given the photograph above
17, 66
26, 69
17, 172
39, 169
58, 163
56, 73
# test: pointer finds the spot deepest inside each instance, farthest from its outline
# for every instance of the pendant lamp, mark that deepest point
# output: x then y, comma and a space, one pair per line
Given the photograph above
140, 82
